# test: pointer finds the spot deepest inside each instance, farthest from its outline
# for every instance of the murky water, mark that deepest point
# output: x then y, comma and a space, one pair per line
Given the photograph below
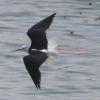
65, 77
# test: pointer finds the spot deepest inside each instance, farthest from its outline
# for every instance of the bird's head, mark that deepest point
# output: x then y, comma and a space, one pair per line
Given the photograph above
23, 48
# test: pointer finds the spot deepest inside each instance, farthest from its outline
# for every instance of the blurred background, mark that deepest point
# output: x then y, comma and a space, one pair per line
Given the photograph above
69, 76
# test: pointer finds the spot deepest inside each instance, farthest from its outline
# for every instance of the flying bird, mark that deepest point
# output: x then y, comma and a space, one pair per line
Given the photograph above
38, 50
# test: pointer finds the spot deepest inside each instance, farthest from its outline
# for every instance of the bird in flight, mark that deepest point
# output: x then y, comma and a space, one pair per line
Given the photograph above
38, 50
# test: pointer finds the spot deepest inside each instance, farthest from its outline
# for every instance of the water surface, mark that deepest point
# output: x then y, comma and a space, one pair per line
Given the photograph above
65, 77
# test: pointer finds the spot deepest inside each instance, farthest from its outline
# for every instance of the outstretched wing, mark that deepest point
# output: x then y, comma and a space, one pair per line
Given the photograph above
37, 33
32, 63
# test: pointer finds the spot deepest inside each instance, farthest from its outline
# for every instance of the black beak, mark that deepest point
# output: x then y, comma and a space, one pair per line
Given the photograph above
17, 50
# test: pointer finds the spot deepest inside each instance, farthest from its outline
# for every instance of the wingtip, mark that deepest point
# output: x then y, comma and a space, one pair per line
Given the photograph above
53, 15
38, 87
43, 24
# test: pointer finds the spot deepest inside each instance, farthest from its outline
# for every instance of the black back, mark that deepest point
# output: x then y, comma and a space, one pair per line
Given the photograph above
37, 33
32, 63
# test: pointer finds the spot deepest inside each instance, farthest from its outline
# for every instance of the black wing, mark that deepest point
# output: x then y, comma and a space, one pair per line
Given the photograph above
37, 33
32, 63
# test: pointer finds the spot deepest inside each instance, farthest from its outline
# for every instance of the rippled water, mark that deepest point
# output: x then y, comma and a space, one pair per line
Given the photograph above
65, 77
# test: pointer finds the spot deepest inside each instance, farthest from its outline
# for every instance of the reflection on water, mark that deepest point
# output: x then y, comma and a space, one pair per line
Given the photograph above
68, 76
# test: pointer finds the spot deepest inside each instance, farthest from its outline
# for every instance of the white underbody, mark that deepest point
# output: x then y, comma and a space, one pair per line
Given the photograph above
51, 51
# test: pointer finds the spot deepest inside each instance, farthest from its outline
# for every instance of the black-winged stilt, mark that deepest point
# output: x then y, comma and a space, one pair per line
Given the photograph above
38, 51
